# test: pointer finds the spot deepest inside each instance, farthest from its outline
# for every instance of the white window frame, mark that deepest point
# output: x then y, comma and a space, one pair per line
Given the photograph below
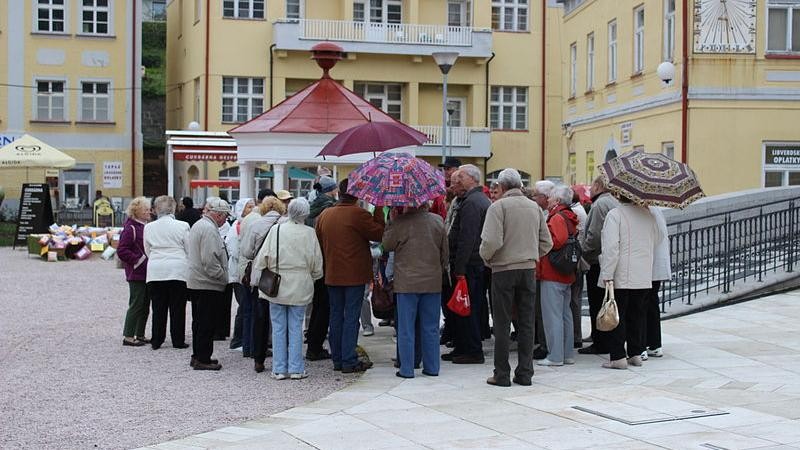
50, 7
638, 40
590, 62
109, 97
613, 33
301, 9
465, 12
198, 11
573, 70
35, 104
236, 96
250, 9
87, 179
668, 149
231, 173
669, 30
362, 88
501, 7
109, 10
459, 114
497, 107
790, 8
368, 8
491, 177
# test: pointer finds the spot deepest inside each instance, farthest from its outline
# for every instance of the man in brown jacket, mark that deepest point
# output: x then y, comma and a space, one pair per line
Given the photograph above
344, 232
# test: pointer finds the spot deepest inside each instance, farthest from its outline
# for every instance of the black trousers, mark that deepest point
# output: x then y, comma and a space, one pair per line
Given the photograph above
240, 293
320, 317
595, 295
205, 305
651, 333
538, 333
448, 331
468, 329
631, 307
168, 296
513, 289
486, 330
262, 327
222, 328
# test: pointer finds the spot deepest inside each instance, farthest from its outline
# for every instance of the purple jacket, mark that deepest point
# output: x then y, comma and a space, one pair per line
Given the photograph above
131, 250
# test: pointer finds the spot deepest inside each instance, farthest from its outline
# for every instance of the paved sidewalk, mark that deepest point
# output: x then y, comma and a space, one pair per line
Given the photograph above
740, 361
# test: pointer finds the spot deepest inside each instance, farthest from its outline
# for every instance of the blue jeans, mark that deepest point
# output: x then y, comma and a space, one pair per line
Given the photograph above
345, 313
422, 309
287, 338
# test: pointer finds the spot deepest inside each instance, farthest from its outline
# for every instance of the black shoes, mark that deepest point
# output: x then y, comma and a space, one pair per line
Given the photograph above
448, 356
360, 367
468, 359
317, 356
133, 342
522, 382
592, 350
212, 364
181, 345
259, 367
495, 382
539, 353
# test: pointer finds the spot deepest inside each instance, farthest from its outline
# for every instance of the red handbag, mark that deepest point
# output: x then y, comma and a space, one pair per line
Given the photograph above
459, 301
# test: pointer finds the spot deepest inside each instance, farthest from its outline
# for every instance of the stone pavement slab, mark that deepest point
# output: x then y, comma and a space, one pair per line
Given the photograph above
742, 360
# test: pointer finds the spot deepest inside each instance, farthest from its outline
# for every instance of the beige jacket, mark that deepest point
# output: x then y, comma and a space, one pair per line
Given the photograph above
515, 233
629, 239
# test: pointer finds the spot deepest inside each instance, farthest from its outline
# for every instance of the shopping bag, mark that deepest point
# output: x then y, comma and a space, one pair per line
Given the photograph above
382, 299
459, 301
608, 316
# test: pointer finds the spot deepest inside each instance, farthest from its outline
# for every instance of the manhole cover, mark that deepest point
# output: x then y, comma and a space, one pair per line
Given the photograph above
639, 416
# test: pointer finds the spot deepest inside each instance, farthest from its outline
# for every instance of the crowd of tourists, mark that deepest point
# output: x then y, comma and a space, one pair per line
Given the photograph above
302, 269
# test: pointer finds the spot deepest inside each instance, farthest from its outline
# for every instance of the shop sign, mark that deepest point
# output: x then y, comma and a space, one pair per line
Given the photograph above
782, 155
112, 174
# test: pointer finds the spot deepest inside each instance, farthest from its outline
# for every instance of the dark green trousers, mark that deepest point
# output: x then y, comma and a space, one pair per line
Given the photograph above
138, 310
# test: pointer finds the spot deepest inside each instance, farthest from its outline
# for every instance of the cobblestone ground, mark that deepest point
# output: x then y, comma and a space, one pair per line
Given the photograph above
67, 382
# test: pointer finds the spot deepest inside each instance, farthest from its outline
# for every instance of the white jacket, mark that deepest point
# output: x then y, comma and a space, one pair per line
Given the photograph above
629, 238
662, 267
232, 244
165, 247
299, 263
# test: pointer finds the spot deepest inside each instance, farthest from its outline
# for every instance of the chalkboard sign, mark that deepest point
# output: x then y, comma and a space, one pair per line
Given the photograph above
35, 211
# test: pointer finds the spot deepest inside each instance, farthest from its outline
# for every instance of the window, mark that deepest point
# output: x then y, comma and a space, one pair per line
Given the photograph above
668, 149
242, 98
573, 69
50, 100
456, 118
492, 177
638, 39
612, 51
50, 16
95, 101
570, 5
358, 12
77, 185
198, 10
590, 62
380, 11
638, 148
95, 17
229, 192
387, 97
458, 13
243, 9
783, 26
510, 15
294, 9
508, 108
197, 95
669, 30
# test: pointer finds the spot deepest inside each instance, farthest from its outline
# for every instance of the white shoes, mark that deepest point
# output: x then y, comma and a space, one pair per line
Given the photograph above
298, 376
644, 355
279, 376
656, 353
569, 361
547, 362
368, 332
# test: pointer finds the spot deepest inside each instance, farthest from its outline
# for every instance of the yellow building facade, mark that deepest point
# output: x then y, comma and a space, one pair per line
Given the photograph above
70, 77
228, 61
730, 111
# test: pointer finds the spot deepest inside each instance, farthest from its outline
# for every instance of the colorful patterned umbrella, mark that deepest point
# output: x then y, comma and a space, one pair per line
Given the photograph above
396, 179
651, 179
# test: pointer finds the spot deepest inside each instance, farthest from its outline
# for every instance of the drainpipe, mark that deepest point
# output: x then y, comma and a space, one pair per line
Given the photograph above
208, 57
544, 81
486, 77
271, 61
685, 83
134, 66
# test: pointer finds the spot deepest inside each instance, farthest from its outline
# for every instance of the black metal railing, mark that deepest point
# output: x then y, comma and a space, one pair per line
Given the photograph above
715, 252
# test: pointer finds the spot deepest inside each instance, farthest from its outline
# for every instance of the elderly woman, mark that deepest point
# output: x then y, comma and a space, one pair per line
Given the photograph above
131, 252
419, 242
629, 239
556, 286
243, 207
271, 210
164, 244
291, 250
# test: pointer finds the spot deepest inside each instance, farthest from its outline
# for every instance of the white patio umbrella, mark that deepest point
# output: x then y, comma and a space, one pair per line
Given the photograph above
28, 152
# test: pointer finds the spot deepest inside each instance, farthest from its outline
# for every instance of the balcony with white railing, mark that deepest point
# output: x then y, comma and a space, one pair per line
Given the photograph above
386, 38
462, 141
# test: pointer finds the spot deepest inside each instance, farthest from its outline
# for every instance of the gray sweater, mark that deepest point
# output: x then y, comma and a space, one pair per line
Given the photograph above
591, 238
208, 258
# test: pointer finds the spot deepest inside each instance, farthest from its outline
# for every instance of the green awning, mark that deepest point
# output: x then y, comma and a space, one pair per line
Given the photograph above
294, 174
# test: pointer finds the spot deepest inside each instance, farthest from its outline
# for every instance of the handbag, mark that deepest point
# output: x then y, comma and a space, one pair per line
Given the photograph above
270, 281
459, 301
382, 299
608, 316
248, 269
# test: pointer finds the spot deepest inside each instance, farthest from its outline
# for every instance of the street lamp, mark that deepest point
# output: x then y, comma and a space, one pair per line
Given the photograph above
445, 61
666, 72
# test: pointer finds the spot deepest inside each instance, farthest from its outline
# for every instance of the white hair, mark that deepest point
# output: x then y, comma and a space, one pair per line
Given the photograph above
164, 205
544, 187
509, 179
562, 193
298, 210
471, 171
210, 200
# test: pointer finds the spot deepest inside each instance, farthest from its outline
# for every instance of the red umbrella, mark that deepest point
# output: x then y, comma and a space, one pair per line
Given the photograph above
373, 137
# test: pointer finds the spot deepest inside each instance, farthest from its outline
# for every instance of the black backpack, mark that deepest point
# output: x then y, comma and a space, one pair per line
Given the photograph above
565, 259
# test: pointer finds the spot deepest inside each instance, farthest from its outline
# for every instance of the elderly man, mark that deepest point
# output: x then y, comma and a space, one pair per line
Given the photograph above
206, 280
344, 232
449, 166
514, 236
465, 262
448, 331
591, 244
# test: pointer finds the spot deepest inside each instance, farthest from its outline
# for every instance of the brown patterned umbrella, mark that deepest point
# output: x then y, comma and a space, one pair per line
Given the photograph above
651, 179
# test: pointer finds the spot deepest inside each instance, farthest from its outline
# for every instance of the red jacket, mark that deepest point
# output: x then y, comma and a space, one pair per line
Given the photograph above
561, 221
439, 206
